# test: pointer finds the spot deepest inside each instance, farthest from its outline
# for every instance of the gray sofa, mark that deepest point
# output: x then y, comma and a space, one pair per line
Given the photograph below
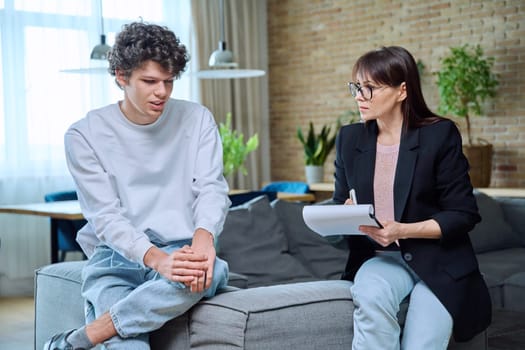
285, 291
499, 243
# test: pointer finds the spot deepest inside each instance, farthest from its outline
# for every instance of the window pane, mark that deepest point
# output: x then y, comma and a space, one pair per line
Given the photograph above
149, 11
56, 99
53, 96
2, 109
65, 7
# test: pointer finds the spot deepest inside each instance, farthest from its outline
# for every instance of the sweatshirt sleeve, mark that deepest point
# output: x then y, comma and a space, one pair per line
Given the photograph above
99, 201
209, 186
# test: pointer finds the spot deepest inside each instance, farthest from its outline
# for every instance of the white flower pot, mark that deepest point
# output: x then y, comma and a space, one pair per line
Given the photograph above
314, 173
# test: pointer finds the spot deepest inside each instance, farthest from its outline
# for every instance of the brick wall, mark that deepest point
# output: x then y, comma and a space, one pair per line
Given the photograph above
313, 45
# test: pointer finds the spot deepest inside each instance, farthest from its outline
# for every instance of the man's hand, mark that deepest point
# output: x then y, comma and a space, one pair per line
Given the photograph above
183, 265
203, 244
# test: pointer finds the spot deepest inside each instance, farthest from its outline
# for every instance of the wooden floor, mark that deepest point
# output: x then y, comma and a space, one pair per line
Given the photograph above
16, 323
507, 331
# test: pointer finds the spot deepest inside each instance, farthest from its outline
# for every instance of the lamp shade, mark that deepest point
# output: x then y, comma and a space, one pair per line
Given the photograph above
229, 73
222, 58
221, 62
100, 52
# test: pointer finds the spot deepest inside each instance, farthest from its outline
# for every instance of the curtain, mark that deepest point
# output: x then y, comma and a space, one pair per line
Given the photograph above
247, 99
41, 41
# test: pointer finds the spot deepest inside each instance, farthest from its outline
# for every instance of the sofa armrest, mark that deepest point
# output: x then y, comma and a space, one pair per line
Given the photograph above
58, 303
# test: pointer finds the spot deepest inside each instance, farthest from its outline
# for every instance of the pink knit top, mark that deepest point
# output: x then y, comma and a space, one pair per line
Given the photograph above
386, 161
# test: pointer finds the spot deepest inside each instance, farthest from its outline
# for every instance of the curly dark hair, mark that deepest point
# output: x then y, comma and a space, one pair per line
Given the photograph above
139, 42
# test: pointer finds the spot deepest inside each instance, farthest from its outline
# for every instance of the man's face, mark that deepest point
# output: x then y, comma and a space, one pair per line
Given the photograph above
146, 92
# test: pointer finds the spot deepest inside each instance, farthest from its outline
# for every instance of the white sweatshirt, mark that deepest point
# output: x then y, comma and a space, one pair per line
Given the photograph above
165, 176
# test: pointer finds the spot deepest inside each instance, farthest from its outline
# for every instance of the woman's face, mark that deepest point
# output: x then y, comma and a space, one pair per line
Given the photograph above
378, 101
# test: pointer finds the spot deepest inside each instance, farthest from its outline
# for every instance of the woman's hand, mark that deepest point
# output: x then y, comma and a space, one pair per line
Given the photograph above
349, 202
391, 232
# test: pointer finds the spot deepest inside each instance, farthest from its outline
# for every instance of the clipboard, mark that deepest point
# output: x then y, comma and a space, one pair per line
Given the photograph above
329, 220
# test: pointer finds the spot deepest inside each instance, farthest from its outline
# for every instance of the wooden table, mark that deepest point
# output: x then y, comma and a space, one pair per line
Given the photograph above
296, 197
287, 196
328, 187
69, 210
503, 192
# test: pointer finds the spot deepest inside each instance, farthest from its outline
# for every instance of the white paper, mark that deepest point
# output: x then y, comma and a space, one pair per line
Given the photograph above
329, 220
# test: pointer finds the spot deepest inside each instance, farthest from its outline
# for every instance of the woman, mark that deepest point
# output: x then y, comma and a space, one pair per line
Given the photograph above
408, 162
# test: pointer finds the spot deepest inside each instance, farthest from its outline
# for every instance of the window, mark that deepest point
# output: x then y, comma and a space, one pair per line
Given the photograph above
39, 95
2, 119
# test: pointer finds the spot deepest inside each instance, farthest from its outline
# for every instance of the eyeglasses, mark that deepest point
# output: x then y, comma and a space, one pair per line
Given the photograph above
365, 91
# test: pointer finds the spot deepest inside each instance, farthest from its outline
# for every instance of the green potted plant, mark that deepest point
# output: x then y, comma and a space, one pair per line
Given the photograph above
317, 147
465, 81
234, 149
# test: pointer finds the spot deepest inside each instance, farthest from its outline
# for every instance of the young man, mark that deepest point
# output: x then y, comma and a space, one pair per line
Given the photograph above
148, 172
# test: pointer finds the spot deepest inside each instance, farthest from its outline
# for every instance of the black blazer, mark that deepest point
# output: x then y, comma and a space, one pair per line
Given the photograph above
431, 182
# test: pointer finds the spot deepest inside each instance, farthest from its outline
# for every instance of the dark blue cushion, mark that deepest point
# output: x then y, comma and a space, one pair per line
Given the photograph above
241, 198
67, 229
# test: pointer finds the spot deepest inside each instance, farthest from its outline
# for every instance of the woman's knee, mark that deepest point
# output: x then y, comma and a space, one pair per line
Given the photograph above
374, 295
380, 280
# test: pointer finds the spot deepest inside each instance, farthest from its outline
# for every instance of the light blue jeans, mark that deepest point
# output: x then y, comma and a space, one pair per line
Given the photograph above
139, 299
379, 287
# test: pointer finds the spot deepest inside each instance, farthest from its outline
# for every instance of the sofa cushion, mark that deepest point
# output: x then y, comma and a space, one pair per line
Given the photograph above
493, 232
500, 265
322, 259
514, 212
254, 245
497, 267
311, 315
513, 291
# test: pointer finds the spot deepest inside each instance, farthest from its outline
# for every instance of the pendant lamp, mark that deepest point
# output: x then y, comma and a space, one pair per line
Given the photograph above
99, 54
221, 63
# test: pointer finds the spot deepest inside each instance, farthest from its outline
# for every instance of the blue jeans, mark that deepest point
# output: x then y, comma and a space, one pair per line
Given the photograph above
139, 299
379, 287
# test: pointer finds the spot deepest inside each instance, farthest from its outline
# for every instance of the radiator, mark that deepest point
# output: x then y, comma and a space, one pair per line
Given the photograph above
25, 245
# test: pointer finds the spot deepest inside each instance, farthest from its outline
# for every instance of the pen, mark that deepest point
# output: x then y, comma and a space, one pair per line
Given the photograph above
353, 196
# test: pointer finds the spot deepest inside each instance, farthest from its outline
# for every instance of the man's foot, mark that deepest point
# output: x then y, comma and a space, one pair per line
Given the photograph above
59, 342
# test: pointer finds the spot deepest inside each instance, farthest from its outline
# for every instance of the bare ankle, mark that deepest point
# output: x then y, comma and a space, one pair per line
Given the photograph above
101, 329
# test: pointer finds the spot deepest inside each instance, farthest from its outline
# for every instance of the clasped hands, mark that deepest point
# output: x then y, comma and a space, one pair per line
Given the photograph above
190, 265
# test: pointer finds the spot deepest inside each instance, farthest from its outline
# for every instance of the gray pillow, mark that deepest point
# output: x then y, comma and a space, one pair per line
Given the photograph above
514, 213
321, 258
493, 232
253, 243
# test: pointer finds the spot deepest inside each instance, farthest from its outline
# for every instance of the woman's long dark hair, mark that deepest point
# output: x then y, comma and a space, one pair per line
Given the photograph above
392, 66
